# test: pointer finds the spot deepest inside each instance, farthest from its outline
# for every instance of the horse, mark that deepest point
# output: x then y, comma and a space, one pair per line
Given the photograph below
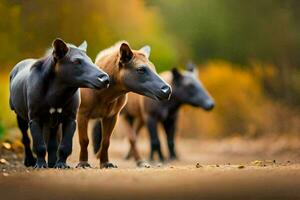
44, 95
129, 71
140, 111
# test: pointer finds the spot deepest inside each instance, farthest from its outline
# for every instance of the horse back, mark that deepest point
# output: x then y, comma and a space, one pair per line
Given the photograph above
18, 79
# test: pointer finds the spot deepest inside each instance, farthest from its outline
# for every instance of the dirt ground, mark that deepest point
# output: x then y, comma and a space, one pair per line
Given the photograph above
228, 169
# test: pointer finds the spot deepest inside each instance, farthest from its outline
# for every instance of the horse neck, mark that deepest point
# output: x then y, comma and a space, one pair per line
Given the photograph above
116, 88
55, 87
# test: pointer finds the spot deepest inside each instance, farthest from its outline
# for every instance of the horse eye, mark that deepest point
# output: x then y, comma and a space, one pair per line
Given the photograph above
77, 62
141, 70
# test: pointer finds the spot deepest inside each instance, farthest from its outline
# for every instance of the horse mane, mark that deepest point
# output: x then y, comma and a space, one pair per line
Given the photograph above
109, 50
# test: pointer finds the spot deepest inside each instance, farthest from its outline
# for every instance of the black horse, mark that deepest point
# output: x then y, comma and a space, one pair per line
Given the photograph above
44, 94
186, 89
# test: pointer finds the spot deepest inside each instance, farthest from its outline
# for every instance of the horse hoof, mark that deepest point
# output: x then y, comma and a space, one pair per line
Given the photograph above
83, 165
29, 162
143, 164
51, 165
107, 165
61, 165
173, 158
40, 165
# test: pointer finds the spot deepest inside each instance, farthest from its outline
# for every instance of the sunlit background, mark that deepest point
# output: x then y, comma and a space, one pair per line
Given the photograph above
247, 53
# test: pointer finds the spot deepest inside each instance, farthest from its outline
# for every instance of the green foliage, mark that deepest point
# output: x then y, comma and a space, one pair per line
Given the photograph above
235, 30
1, 130
241, 32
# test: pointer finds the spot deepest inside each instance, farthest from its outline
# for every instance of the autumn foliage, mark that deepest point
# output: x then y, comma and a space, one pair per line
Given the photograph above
247, 52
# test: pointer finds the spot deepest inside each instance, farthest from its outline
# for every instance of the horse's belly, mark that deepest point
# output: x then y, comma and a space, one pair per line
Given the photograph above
103, 112
106, 111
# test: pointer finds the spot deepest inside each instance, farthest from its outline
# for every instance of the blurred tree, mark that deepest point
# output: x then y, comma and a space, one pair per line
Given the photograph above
9, 32
241, 32
28, 27
256, 34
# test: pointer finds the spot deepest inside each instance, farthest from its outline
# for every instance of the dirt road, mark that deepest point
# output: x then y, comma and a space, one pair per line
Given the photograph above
230, 169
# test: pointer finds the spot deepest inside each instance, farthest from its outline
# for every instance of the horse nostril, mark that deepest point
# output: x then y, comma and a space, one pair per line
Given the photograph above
165, 89
210, 105
104, 79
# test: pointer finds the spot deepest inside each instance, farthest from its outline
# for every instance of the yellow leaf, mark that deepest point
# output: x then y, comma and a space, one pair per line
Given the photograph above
6, 145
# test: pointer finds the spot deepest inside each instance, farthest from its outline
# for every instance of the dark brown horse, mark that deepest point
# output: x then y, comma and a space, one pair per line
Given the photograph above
44, 94
140, 111
129, 70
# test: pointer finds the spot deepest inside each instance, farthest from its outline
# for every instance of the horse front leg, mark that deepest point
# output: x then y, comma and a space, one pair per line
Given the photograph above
108, 127
83, 141
52, 146
132, 133
170, 128
65, 146
38, 142
155, 143
29, 160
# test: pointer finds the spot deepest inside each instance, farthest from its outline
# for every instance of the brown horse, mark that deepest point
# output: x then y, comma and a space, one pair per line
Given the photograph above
129, 71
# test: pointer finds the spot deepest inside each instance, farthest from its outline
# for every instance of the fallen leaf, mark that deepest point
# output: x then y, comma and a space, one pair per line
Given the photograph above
3, 161
270, 161
6, 145
198, 165
257, 162
241, 167
5, 174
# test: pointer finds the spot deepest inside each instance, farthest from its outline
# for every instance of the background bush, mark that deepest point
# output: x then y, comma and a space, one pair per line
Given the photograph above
247, 52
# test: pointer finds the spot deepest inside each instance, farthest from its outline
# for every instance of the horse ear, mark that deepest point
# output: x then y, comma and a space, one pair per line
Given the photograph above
146, 50
176, 74
190, 66
83, 46
60, 48
125, 53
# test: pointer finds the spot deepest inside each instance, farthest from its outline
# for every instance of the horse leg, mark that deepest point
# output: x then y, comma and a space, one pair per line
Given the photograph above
52, 147
38, 142
108, 127
170, 126
29, 160
155, 143
132, 135
83, 140
65, 147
